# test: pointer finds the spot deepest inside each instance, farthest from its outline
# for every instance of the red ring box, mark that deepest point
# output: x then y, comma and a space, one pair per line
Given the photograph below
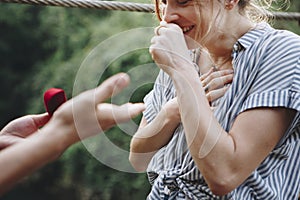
53, 98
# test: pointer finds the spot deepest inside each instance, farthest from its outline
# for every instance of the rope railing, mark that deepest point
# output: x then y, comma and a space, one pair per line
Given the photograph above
96, 4
123, 6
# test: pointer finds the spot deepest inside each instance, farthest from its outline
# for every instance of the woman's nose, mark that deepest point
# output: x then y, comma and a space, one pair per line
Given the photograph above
169, 14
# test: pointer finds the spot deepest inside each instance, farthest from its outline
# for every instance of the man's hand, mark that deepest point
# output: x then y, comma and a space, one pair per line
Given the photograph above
20, 128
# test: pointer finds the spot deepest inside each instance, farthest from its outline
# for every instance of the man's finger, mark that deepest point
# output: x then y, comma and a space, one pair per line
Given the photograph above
111, 86
110, 115
8, 140
121, 113
26, 125
40, 119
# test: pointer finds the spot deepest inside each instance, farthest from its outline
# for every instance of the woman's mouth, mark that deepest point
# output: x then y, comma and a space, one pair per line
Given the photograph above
186, 29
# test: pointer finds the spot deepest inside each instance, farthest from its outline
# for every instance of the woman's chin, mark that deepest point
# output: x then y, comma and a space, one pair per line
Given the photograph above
191, 42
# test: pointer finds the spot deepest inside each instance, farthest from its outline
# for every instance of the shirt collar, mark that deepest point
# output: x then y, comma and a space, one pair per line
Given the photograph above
249, 38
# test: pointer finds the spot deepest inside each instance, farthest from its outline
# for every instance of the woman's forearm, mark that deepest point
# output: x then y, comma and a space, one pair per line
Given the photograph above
226, 159
210, 146
149, 139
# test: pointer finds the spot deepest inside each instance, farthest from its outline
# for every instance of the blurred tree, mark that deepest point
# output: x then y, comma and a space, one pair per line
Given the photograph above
20, 47
294, 26
51, 57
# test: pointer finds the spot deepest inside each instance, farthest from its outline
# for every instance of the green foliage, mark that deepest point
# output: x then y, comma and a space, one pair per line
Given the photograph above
292, 6
44, 47
20, 48
76, 49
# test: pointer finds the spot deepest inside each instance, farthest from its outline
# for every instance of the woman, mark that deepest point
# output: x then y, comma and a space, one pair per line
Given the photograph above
248, 146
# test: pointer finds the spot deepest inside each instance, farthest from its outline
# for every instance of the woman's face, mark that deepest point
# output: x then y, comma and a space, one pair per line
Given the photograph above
193, 16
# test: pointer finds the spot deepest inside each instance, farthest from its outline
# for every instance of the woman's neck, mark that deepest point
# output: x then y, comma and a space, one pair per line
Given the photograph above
220, 47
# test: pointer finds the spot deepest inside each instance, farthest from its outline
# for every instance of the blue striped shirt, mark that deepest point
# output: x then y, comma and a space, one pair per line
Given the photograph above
266, 74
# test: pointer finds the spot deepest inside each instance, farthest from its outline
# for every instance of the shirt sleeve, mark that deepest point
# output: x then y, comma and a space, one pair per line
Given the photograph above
156, 97
277, 82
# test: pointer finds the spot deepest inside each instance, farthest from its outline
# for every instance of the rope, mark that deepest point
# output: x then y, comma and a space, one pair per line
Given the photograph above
104, 5
286, 16
123, 6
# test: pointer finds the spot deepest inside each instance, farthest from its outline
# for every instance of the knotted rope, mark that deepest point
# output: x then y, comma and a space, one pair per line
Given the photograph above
122, 6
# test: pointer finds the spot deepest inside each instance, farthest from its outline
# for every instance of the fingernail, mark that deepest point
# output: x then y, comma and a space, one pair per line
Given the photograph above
141, 105
137, 106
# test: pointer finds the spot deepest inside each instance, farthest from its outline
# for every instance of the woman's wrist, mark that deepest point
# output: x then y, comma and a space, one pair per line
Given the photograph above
184, 68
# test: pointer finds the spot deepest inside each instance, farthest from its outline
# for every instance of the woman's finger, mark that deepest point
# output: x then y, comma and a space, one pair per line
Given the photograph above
204, 76
218, 83
163, 24
216, 94
216, 80
212, 74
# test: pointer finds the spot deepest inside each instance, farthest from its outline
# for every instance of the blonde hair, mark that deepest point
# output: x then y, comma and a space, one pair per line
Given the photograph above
255, 10
260, 10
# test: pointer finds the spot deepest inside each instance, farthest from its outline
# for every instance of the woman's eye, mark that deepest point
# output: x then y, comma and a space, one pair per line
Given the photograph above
180, 2
183, 2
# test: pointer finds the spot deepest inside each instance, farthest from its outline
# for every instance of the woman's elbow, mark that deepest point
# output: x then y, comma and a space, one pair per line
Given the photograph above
220, 190
137, 163
221, 186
